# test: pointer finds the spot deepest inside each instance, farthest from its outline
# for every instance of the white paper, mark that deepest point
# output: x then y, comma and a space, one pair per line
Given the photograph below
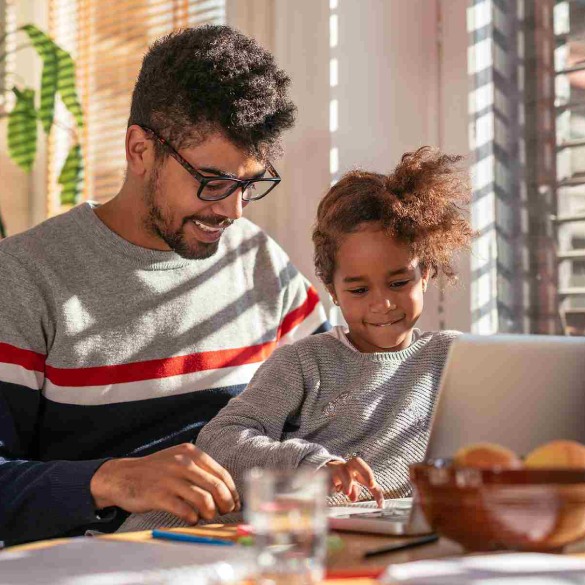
491, 569
91, 561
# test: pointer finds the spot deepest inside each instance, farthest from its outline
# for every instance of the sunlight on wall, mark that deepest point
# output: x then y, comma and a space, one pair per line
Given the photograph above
333, 83
335, 316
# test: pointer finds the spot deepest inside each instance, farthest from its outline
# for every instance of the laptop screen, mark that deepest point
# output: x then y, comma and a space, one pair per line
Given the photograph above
516, 390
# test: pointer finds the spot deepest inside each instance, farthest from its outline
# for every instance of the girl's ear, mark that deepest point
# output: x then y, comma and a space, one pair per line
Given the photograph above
426, 274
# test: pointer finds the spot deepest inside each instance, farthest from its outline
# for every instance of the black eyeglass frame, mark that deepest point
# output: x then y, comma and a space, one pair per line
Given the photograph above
203, 180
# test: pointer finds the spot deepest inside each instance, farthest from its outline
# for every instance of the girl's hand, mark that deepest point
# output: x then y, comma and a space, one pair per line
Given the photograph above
347, 476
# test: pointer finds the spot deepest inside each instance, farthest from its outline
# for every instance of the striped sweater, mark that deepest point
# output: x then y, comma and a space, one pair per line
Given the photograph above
108, 349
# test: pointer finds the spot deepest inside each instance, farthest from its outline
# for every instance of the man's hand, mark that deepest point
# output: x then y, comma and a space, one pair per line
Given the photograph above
346, 477
182, 480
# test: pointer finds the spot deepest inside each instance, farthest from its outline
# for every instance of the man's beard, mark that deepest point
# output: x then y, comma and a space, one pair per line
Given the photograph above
158, 224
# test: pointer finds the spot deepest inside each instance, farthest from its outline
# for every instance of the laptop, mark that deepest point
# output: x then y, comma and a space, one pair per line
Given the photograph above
516, 390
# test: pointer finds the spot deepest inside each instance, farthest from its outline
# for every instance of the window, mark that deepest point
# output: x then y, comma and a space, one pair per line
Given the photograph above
569, 26
107, 41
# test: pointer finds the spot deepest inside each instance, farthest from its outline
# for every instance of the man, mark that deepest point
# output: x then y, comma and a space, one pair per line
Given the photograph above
125, 327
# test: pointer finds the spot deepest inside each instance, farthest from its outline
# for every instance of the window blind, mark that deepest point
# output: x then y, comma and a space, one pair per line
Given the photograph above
108, 40
7, 47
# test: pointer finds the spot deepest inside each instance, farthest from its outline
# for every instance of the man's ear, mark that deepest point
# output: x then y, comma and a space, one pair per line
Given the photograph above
139, 151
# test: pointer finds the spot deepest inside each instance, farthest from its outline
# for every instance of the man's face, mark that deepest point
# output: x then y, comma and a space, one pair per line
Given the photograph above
379, 288
189, 226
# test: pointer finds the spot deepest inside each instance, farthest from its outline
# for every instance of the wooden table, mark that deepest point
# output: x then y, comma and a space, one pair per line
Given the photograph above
341, 563
349, 558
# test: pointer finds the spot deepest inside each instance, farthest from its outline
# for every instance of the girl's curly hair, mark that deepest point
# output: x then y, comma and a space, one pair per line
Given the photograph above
421, 203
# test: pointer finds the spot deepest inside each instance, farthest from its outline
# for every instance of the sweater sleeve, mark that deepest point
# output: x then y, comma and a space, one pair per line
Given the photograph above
248, 432
37, 499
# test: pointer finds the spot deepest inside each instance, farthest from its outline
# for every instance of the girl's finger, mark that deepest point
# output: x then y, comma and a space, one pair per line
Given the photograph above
336, 484
355, 492
362, 472
344, 476
378, 495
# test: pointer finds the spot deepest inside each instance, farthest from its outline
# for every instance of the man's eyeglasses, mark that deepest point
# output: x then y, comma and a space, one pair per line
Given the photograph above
219, 187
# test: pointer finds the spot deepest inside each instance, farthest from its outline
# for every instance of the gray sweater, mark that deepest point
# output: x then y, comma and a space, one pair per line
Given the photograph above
318, 400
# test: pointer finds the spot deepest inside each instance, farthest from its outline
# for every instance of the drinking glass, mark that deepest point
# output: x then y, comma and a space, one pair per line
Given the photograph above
288, 513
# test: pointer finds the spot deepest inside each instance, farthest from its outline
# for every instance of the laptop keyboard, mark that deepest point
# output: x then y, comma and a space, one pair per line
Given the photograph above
397, 510
398, 515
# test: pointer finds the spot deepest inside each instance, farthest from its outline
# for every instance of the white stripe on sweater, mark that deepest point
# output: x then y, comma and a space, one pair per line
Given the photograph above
14, 374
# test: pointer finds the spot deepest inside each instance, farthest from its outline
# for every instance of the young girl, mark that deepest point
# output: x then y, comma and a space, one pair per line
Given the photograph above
359, 400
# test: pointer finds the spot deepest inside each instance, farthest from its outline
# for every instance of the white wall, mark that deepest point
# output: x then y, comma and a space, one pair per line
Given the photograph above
397, 90
453, 130
388, 89
297, 33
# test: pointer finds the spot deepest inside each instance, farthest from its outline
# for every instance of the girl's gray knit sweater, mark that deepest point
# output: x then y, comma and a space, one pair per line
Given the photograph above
318, 400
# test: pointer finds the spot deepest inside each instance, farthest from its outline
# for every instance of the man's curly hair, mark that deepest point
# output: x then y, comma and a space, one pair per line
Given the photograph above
421, 203
212, 78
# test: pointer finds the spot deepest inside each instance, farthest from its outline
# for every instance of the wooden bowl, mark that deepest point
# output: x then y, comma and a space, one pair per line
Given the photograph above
503, 509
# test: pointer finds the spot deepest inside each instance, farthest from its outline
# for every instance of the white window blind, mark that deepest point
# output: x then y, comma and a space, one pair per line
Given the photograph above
7, 47
108, 40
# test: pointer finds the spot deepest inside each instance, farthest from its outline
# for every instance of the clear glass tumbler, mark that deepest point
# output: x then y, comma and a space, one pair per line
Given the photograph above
288, 513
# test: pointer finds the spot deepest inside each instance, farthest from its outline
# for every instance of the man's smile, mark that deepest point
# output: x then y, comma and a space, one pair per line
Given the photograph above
208, 228
207, 233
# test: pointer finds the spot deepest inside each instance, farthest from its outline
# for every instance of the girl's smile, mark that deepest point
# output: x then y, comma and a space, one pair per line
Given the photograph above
387, 324
379, 288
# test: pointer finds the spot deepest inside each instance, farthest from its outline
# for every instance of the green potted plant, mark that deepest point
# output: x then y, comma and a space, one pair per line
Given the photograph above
37, 106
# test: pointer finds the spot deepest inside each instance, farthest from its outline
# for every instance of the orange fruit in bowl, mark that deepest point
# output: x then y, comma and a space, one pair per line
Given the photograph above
557, 455
486, 456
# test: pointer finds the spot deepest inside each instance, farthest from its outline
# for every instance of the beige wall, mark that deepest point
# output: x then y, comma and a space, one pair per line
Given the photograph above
400, 85
22, 195
453, 120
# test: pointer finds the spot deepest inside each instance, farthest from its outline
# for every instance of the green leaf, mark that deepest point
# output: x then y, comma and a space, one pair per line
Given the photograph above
49, 51
42, 42
22, 129
71, 177
48, 92
66, 85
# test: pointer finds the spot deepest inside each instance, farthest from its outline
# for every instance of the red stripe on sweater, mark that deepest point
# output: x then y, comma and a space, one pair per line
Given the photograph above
30, 360
162, 368
298, 315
